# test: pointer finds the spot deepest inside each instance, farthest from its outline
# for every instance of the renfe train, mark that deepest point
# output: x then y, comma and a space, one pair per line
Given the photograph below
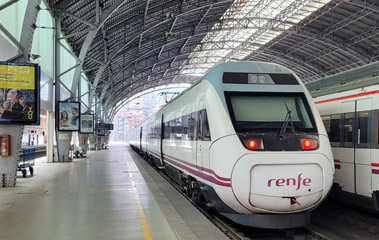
247, 141
350, 112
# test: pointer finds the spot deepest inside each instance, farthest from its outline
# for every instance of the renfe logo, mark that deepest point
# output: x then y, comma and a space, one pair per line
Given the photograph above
280, 182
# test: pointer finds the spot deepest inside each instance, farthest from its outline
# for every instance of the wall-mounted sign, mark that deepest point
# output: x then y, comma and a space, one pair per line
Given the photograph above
103, 126
19, 93
68, 118
87, 123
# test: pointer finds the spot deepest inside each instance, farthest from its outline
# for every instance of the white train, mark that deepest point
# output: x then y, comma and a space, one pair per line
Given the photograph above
351, 116
247, 141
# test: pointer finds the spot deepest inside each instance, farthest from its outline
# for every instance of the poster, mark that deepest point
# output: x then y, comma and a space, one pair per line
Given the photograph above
86, 123
68, 116
19, 97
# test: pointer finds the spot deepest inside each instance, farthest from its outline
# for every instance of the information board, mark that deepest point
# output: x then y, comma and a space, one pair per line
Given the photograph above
19, 93
86, 123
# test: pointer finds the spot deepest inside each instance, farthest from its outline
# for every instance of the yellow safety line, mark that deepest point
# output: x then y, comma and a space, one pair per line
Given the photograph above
145, 227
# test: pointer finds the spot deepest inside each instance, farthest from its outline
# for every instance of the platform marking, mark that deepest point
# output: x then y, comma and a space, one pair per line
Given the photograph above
145, 227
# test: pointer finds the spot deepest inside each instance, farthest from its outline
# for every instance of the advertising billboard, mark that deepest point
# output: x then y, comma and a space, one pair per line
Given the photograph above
86, 123
68, 116
19, 93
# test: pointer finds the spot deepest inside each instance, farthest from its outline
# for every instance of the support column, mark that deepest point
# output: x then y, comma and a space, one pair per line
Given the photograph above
8, 165
63, 137
83, 141
92, 141
50, 136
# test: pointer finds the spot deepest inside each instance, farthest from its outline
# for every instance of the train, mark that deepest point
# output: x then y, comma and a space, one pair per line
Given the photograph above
247, 141
349, 106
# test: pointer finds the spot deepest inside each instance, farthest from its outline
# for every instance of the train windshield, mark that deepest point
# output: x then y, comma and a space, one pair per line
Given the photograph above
252, 112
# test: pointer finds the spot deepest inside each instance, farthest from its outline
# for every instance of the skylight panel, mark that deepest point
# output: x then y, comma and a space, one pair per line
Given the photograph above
238, 42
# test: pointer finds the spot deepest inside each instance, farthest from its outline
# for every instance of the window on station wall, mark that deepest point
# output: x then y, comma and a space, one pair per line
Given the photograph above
335, 130
363, 129
44, 85
348, 129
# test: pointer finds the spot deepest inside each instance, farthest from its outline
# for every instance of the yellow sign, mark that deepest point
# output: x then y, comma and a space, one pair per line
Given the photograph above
19, 77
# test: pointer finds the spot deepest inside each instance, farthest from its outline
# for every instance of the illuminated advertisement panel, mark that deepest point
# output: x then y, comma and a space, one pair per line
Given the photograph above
19, 93
68, 116
86, 123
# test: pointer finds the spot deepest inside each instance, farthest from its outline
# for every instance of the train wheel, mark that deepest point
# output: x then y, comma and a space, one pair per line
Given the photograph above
195, 195
24, 173
182, 185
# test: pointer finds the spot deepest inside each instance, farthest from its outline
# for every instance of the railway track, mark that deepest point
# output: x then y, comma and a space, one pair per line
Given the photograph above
338, 220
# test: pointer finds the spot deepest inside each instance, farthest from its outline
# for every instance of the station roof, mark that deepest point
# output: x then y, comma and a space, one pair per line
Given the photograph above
146, 43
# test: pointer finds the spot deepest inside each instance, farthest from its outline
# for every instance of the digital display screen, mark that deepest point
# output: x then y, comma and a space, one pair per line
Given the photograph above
19, 93
68, 116
86, 123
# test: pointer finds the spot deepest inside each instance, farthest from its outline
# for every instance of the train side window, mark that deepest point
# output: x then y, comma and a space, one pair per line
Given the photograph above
167, 130
157, 132
364, 133
191, 126
199, 125
185, 127
206, 131
178, 128
348, 130
173, 129
335, 130
326, 120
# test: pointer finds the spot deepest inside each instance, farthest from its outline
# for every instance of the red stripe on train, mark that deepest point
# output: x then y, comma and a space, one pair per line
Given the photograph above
347, 97
194, 166
197, 173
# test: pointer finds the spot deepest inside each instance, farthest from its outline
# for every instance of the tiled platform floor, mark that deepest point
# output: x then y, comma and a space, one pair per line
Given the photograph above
111, 194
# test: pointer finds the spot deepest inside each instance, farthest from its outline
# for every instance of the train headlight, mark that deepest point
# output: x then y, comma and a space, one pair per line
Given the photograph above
308, 144
262, 78
255, 144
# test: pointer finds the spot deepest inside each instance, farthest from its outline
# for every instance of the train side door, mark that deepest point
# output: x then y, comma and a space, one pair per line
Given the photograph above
140, 138
160, 144
199, 134
345, 175
363, 146
355, 154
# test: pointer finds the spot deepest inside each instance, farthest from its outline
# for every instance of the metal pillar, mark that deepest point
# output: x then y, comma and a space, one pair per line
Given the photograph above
83, 142
92, 138
50, 136
8, 165
63, 138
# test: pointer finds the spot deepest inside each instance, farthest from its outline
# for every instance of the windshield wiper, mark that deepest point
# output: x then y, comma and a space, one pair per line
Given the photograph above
285, 123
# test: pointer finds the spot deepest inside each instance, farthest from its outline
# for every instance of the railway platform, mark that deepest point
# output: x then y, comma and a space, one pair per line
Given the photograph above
111, 194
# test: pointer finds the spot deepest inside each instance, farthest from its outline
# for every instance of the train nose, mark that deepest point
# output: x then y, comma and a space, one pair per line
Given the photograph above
280, 185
